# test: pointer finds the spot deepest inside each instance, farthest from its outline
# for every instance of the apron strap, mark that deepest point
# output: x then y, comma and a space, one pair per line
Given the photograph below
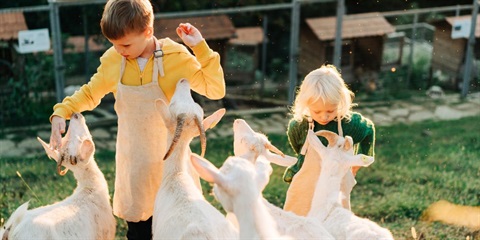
122, 69
158, 61
310, 123
303, 151
339, 122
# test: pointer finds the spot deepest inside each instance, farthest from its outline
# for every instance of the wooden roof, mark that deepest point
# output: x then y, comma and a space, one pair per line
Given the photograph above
354, 26
212, 27
250, 36
76, 44
11, 23
451, 20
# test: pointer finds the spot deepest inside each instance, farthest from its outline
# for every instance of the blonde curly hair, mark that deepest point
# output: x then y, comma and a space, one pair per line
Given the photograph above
325, 83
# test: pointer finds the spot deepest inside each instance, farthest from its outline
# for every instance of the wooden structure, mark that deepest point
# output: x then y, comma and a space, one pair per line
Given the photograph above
363, 38
216, 29
449, 54
12, 23
245, 44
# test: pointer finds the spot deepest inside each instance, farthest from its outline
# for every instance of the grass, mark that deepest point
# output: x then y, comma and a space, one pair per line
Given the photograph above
415, 166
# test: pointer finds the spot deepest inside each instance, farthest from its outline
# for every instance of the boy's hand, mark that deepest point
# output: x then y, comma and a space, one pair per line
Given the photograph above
189, 34
58, 128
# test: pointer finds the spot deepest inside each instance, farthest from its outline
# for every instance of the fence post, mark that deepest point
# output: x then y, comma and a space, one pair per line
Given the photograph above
337, 51
57, 49
469, 55
412, 48
294, 32
264, 54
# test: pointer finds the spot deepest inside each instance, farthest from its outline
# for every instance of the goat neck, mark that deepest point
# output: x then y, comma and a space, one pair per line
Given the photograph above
255, 221
336, 162
91, 177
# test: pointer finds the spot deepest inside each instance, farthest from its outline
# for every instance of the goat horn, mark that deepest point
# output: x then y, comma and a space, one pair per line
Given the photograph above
330, 136
203, 137
176, 136
274, 149
59, 168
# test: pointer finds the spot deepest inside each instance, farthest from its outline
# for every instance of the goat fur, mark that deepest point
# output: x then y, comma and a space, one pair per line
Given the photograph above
326, 202
301, 189
250, 145
181, 211
87, 213
238, 186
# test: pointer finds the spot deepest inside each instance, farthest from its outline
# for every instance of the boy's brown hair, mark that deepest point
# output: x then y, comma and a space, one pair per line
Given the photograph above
121, 17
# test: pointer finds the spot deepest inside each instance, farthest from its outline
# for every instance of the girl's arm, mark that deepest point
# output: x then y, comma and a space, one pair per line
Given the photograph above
297, 133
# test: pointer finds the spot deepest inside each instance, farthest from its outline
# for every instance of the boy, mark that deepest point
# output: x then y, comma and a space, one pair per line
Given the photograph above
139, 69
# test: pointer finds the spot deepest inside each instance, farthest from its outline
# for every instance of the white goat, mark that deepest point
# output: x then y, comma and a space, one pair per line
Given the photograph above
250, 145
181, 211
326, 203
238, 186
301, 189
87, 213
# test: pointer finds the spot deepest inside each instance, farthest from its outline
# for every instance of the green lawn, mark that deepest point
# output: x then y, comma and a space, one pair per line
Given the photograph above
415, 166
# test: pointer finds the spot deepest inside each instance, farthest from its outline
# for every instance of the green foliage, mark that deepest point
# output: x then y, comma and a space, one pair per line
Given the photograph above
26, 98
398, 83
239, 60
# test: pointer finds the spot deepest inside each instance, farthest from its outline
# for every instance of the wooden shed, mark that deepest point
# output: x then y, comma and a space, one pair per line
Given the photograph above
449, 54
245, 46
216, 29
363, 38
12, 23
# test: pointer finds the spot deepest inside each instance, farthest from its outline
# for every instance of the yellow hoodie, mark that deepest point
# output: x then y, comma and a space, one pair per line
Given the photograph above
203, 71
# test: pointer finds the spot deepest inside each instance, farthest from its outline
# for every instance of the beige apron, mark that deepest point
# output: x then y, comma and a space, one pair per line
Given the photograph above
140, 146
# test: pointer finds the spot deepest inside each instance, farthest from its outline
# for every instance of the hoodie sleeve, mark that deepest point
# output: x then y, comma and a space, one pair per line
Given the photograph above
89, 95
296, 133
207, 76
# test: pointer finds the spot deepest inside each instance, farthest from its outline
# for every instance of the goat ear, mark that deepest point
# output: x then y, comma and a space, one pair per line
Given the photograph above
206, 170
213, 119
315, 143
348, 143
281, 160
361, 160
86, 149
330, 136
263, 170
162, 107
51, 153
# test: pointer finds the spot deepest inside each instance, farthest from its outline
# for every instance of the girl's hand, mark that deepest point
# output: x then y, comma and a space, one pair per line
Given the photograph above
189, 34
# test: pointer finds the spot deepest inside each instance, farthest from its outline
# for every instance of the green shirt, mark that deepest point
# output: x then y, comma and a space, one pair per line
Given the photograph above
361, 129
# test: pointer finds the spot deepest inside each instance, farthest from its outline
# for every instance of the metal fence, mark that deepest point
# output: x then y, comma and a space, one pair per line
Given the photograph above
412, 31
